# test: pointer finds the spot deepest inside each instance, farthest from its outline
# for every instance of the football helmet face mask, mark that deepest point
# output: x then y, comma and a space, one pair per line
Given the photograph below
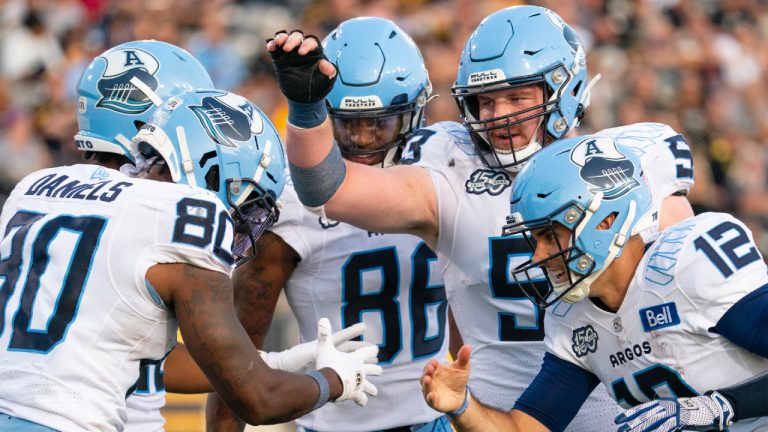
522, 46
558, 201
378, 101
224, 143
120, 88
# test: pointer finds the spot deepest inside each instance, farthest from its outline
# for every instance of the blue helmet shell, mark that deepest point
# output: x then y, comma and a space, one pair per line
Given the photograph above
120, 88
381, 73
579, 182
219, 141
523, 45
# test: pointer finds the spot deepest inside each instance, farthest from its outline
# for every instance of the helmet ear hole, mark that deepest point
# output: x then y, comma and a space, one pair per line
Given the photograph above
607, 223
212, 178
576, 88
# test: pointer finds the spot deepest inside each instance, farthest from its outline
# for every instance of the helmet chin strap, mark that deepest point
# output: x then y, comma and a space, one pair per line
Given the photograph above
587, 98
581, 291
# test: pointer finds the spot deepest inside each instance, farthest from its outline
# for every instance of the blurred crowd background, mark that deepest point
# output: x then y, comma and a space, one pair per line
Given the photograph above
697, 65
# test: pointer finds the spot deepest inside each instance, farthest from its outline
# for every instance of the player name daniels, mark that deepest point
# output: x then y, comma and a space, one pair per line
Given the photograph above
56, 186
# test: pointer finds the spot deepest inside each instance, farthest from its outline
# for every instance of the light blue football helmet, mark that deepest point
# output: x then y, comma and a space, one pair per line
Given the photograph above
516, 46
222, 142
378, 99
577, 183
119, 89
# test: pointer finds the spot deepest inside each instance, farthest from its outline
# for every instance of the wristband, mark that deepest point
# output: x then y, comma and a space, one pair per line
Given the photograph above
459, 411
316, 185
725, 407
306, 115
325, 390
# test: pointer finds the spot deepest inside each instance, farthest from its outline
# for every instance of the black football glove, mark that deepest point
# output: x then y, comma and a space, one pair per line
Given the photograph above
299, 76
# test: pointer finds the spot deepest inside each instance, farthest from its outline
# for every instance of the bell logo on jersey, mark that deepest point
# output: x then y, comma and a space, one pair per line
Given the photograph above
659, 316
117, 84
604, 167
584, 341
227, 122
485, 180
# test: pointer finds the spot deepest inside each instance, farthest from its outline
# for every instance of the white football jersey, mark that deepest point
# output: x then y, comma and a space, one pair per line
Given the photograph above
492, 313
144, 404
77, 313
389, 281
658, 343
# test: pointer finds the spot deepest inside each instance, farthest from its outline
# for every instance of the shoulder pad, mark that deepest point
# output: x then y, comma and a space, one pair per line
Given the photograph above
434, 146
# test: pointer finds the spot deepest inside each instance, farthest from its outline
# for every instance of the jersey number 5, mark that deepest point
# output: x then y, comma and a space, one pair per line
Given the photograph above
510, 327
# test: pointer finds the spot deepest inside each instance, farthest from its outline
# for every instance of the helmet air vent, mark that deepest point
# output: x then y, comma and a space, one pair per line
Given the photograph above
212, 178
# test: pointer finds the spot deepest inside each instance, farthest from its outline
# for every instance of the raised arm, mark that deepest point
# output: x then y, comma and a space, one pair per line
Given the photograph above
396, 199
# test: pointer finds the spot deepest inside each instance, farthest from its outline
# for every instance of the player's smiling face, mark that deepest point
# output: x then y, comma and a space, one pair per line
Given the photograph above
510, 102
363, 140
550, 241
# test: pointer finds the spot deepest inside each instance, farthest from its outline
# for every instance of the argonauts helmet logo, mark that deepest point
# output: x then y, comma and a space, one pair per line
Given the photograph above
117, 85
604, 167
228, 118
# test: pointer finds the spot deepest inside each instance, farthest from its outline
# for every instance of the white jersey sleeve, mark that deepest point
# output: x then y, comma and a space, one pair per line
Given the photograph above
193, 228
665, 158
718, 265
664, 155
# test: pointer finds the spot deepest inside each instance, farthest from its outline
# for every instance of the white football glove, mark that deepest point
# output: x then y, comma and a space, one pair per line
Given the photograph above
699, 413
352, 367
297, 358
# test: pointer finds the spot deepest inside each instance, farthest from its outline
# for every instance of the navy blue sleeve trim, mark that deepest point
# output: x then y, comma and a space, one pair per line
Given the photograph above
746, 322
749, 400
556, 394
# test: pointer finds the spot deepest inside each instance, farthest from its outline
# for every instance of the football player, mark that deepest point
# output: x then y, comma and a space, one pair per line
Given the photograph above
336, 270
100, 269
675, 329
117, 94
515, 96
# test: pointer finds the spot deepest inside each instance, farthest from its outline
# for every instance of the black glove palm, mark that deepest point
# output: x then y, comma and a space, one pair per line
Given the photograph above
299, 76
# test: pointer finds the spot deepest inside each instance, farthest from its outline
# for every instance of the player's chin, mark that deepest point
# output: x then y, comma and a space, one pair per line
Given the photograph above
374, 159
